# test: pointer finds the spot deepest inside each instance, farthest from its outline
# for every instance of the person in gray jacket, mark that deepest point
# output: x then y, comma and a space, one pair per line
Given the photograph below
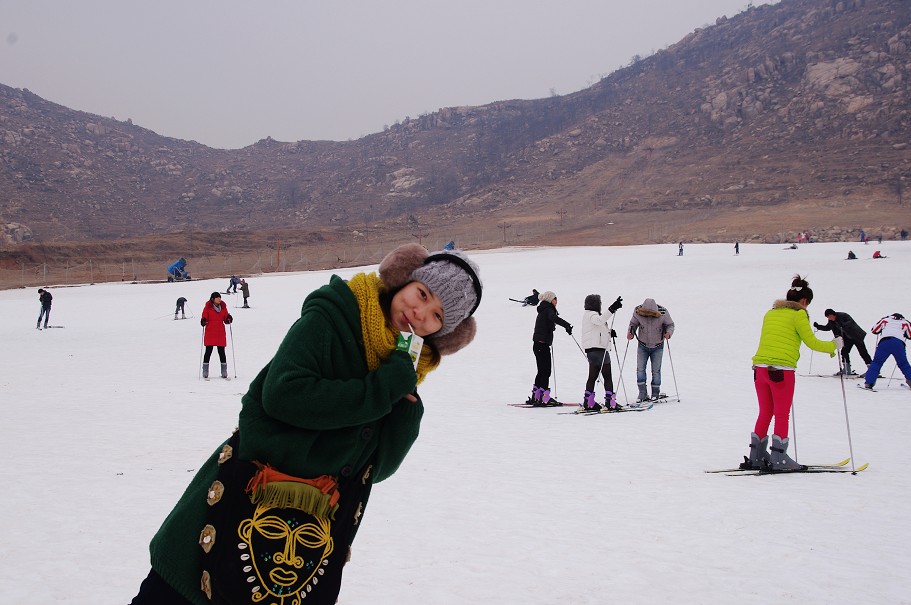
651, 325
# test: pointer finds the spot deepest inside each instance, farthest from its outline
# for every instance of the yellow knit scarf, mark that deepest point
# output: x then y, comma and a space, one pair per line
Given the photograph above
379, 336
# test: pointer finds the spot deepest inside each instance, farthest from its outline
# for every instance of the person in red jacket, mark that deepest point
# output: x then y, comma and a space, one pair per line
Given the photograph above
213, 320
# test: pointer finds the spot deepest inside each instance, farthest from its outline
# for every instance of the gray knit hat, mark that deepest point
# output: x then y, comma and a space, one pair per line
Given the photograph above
547, 296
453, 277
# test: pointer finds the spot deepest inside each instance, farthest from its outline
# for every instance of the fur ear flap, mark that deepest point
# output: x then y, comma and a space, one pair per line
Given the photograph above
457, 339
396, 269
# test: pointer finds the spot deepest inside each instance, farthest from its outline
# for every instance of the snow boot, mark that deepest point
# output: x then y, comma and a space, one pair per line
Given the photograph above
610, 401
779, 459
545, 396
224, 370
535, 397
588, 401
205, 370
643, 393
656, 392
759, 453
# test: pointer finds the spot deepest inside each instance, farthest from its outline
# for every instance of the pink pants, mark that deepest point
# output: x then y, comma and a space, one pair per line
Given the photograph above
775, 399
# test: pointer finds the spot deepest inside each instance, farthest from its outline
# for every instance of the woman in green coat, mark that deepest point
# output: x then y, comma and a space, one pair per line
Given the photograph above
270, 517
784, 327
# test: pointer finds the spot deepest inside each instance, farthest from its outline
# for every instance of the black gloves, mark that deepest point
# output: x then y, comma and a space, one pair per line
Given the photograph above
816, 325
613, 333
228, 319
203, 322
615, 305
569, 330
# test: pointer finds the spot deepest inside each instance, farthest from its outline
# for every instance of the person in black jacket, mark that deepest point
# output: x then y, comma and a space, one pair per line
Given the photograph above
842, 324
542, 339
45, 298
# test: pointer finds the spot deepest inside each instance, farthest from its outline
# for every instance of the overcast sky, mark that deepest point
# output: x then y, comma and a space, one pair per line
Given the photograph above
227, 73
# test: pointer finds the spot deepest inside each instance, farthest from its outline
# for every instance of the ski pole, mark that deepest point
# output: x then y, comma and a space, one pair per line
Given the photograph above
553, 368
673, 373
202, 346
810, 369
620, 370
579, 346
233, 354
892, 375
844, 400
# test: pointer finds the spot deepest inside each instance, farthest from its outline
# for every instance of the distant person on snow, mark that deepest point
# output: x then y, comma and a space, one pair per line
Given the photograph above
680, 249
180, 308
232, 285
842, 324
878, 255
214, 318
784, 327
893, 330
651, 325
45, 298
851, 255
542, 339
532, 299
596, 342
245, 291
737, 248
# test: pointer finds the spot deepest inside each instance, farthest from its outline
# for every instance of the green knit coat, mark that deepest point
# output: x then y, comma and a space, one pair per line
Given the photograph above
315, 409
784, 327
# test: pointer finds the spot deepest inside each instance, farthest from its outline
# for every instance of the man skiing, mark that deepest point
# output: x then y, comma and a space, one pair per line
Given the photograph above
45, 298
651, 325
245, 291
180, 308
893, 331
842, 324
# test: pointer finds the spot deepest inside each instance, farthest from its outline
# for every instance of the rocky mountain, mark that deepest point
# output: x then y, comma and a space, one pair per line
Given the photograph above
784, 117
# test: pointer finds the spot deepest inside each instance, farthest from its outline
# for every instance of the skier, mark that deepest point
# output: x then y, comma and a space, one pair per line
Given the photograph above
737, 248
335, 411
214, 318
232, 285
245, 291
531, 299
851, 255
680, 249
651, 325
878, 254
596, 341
784, 327
45, 298
542, 339
180, 308
842, 324
893, 330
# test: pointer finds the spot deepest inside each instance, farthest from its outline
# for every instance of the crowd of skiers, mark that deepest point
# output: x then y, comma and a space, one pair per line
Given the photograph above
784, 327
651, 325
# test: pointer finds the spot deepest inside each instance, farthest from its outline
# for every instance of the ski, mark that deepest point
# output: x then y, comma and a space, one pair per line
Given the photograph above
547, 405
744, 470
603, 410
836, 375
864, 388
811, 469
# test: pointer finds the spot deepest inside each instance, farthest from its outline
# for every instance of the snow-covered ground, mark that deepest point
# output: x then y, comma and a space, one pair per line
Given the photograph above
103, 423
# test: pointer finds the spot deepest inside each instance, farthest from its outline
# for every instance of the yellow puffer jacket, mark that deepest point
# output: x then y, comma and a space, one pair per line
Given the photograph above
784, 326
